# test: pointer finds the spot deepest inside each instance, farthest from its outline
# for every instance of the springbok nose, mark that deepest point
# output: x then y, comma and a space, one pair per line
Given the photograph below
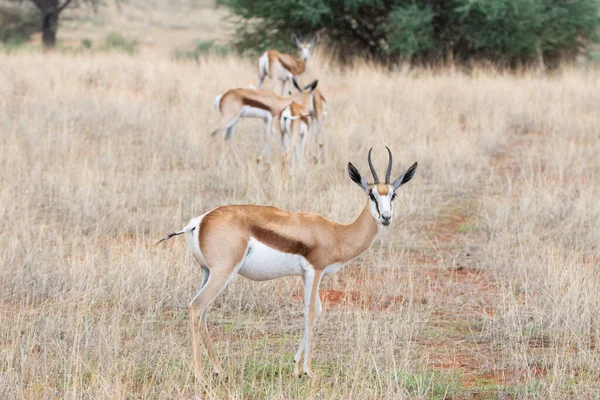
386, 217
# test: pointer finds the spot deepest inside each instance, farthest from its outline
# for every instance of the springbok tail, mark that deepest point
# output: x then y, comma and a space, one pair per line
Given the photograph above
217, 102
168, 236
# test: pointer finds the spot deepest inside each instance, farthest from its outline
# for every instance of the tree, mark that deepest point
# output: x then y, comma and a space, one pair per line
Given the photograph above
505, 31
51, 10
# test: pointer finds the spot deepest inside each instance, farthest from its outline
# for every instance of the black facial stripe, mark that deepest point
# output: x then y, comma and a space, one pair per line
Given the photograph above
377, 207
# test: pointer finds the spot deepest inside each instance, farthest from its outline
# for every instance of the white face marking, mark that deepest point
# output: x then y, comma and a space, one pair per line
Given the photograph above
305, 51
381, 205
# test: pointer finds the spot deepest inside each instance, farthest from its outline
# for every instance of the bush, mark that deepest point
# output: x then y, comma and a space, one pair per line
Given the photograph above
506, 31
17, 26
116, 41
86, 43
202, 48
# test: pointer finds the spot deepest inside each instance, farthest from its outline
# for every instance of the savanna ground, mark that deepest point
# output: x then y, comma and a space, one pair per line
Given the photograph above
485, 286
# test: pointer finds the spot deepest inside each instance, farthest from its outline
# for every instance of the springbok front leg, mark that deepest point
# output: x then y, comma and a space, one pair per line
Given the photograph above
300, 353
317, 137
312, 280
284, 83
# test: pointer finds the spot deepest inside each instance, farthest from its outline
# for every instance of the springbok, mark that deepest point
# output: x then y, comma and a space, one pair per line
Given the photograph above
263, 243
283, 66
294, 122
253, 103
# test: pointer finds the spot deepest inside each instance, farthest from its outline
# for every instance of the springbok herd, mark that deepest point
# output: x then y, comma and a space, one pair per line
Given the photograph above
263, 243
305, 106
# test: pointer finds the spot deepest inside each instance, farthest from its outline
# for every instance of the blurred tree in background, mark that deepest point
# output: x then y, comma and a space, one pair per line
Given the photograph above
21, 18
511, 32
50, 10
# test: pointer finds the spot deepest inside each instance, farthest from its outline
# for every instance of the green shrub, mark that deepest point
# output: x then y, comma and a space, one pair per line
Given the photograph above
505, 31
16, 27
116, 41
202, 48
86, 43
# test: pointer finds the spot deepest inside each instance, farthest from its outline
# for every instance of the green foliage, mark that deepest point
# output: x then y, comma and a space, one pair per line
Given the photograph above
116, 41
86, 43
409, 30
202, 48
14, 42
508, 31
16, 26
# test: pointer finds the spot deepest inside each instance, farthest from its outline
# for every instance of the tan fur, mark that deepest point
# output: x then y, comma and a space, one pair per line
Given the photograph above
233, 101
300, 114
383, 189
281, 61
321, 241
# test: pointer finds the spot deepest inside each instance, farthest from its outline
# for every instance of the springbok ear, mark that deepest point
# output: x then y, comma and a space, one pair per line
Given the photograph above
296, 41
296, 85
405, 177
314, 40
312, 86
357, 178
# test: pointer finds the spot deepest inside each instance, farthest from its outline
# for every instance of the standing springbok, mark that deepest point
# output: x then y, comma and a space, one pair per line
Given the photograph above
252, 103
296, 118
294, 122
283, 66
263, 243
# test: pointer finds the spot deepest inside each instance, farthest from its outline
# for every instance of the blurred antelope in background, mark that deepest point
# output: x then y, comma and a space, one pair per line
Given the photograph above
283, 66
254, 103
263, 243
295, 121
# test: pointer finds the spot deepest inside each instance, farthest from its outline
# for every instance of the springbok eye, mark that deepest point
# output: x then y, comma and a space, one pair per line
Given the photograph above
393, 196
372, 196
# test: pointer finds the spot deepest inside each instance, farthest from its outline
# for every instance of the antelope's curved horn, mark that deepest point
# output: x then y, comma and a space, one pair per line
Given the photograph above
388, 173
375, 178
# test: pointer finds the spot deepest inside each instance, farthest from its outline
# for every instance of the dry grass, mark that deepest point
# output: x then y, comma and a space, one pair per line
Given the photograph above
486, 285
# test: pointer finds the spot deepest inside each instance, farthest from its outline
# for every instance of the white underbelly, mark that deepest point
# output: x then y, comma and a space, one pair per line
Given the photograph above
333, 268
254, 112
285, 75
263, 263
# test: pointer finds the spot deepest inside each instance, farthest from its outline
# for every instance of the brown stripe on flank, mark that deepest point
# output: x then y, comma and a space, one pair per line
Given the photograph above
279, 242
254, 103
290, 68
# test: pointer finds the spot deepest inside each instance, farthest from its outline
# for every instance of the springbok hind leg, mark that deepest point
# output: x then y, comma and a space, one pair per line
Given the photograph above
227, 122
218, 279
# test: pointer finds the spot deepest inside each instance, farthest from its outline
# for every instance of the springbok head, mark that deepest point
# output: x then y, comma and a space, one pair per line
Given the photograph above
305, 92
304, 45
381, 195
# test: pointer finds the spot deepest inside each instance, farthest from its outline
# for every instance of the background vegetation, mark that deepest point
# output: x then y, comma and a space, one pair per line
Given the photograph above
485, 286
509, 32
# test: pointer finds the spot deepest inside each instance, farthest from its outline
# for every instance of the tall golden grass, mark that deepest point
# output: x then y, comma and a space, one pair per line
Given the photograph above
485, 286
